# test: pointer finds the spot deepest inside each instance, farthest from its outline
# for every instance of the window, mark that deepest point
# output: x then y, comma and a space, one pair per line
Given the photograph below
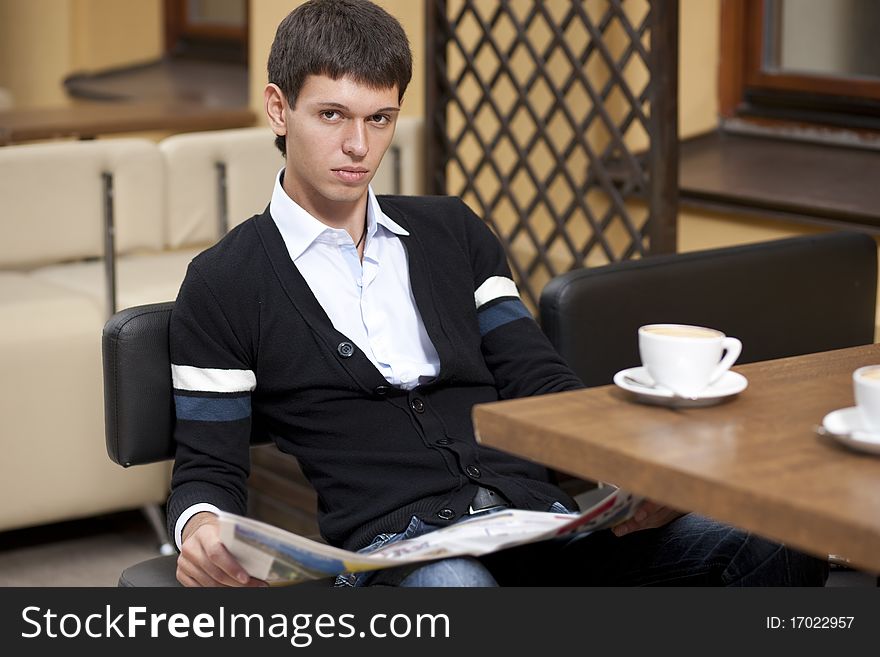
810, 61
799, 135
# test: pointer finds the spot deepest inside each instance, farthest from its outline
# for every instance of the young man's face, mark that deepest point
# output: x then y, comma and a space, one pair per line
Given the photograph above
337, 133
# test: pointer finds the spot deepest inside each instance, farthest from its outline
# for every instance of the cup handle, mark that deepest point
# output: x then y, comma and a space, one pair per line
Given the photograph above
733, 347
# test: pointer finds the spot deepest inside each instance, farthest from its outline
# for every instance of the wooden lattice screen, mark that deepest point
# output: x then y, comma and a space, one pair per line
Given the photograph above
556, 122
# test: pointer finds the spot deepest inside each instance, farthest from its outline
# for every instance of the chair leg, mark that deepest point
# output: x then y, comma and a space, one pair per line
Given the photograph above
156, 518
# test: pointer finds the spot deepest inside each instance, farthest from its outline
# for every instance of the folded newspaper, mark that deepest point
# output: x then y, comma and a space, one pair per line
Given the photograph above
281, 557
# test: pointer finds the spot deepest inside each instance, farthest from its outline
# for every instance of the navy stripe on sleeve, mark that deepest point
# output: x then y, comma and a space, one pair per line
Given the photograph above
212, 409
509, 310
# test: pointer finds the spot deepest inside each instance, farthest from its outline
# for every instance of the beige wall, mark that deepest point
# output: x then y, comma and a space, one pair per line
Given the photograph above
43, 41
112, 33
35, 47
699, 23
703, 229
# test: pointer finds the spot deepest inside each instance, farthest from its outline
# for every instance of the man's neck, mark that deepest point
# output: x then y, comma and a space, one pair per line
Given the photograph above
348, 215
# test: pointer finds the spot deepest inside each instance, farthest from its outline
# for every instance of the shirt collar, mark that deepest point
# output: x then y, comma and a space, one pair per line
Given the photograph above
299, 229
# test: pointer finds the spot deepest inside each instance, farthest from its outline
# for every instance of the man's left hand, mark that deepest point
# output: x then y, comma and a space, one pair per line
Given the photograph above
648, 515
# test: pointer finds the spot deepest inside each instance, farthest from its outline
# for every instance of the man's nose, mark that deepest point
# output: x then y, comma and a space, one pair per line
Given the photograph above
355, 143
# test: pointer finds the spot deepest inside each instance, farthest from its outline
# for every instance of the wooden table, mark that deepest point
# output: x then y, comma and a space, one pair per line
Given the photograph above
753, 461
89, 120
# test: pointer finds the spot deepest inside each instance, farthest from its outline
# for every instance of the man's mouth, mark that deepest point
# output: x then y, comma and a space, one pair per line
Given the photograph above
351, 174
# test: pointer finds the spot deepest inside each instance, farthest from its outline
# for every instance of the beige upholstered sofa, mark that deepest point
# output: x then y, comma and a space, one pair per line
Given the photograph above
89, 227
52, 203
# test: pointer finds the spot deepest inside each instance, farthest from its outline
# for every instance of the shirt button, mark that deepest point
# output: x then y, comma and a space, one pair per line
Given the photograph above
446, 514
345, 349
444, 441
418, 405
473, 471
382, 390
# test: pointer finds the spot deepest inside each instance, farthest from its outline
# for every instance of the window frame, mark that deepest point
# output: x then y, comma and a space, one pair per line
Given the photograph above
746, 90
179, 29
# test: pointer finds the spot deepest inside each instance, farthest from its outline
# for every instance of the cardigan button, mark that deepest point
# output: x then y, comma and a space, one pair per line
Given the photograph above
473, 471
443, 441
446, 514
382, 390
418, 405
345, 349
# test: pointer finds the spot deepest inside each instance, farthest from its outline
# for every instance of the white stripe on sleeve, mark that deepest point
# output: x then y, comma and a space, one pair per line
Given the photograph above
495, 287
188, 513
206, 379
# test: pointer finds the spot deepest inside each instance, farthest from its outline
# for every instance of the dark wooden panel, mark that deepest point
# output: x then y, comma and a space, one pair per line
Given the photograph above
280, 494
265, 507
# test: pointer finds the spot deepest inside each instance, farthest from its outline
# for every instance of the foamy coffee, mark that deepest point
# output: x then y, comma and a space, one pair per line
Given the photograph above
682, 331
871, 373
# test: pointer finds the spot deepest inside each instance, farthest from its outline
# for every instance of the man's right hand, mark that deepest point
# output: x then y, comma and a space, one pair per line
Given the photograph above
204, 560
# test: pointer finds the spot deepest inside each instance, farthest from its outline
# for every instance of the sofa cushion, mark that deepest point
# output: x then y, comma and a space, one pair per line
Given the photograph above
52, 199
54, 464
193, 208
141, 278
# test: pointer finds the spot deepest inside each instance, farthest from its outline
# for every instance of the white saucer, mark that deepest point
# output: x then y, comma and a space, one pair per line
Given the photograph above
729, 385
845, 426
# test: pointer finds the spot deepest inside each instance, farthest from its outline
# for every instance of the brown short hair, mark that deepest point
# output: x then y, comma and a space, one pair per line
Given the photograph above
338, 38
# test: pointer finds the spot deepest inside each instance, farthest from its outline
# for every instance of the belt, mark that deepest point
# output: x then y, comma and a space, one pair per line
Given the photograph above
486, 499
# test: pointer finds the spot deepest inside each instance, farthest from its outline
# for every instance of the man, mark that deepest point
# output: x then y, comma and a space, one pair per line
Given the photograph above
357, 333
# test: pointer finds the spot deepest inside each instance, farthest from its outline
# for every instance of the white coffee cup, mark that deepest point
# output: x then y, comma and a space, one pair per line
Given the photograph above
686, 359
866, 386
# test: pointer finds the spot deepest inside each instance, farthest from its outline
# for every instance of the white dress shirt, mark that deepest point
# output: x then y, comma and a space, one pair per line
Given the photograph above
371, 302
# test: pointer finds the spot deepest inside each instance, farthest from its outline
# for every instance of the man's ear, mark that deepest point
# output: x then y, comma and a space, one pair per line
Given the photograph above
276, 104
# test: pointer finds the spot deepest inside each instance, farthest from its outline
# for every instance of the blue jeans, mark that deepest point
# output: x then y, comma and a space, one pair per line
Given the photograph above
690, 551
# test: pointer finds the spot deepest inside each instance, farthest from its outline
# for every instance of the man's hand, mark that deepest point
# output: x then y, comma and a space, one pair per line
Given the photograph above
648, 515
204, 561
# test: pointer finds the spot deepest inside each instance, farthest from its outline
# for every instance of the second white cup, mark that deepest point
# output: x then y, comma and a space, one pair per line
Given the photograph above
686, 359
866, 386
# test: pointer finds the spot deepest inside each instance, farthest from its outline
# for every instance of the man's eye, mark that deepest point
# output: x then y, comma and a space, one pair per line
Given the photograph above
330, 115
381, 119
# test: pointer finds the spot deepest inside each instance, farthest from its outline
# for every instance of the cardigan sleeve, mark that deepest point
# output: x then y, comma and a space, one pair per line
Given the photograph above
516, 351
213, 380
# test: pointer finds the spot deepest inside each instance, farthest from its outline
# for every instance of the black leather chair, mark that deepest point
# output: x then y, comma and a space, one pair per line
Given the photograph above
139, 410
781, 298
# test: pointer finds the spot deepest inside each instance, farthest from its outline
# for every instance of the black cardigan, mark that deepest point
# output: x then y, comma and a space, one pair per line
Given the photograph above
375, 454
